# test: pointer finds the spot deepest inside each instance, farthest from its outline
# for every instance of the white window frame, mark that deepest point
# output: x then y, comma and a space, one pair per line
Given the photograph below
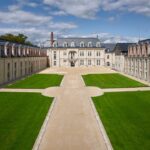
89, 44
72, 44
65, 44
81, 53
81, 62
82, 44
98, 53
98, 44
89, 53
98, 62
89, 62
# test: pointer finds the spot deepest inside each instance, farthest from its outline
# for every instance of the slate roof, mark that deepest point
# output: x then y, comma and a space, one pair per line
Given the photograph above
77, 41
144, 41
121, 48
109, 46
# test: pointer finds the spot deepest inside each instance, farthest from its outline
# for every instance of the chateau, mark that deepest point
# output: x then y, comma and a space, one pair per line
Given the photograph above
17, 61
75, 52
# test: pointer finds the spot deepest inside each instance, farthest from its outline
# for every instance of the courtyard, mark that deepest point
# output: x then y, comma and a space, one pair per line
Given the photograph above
74, 122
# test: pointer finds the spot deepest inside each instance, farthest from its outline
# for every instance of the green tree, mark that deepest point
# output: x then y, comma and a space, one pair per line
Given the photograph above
20, 38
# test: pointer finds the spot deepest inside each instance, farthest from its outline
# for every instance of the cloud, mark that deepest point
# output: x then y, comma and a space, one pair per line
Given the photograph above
37, 27
23, 18
59, 13
111, 18
88, 9
137, 6
32, 4
84, 9
62, 25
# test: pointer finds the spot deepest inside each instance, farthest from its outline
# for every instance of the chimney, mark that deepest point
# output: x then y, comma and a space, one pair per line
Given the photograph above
52, 39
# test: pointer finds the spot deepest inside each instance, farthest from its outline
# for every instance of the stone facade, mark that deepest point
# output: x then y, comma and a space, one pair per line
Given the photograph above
76, 52
17, 61
118, 56
137, 63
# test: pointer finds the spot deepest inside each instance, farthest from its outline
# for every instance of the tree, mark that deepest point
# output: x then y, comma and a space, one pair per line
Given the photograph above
20, 38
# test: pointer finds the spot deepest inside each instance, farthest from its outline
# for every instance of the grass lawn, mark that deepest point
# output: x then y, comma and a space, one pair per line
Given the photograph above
38, 81
113, 80
21, 117
126, 118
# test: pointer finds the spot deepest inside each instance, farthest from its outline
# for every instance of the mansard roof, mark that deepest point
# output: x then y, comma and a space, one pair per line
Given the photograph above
144, 41
108, 46
121, 48
77, 41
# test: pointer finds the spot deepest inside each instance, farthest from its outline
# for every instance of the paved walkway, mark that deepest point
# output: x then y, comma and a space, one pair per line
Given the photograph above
72, 125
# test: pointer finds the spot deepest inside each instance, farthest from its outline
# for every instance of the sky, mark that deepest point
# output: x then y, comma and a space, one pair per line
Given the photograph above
110, 20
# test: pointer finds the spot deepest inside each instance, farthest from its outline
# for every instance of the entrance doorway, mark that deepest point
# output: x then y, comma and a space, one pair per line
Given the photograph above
72, 64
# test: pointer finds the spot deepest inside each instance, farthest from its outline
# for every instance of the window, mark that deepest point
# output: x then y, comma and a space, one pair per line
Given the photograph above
55, 63
8, 71
82, 44
81, 62
20, 68
108, 63
98, 44
55, 44
65, 44
64, 53
89, 62
81, 53
0, 51
98, 62
65, 60
90, 44
25, 67
54, 54
98, 54
89, 53
107, 56
15, 70
72, 44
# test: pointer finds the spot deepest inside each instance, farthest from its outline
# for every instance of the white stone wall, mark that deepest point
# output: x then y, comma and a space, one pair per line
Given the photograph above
138, 67
83, 56
15, 68
119, 62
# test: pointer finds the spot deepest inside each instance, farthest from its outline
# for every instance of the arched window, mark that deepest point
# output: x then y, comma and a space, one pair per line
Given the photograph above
89, 44
72, 44
65, 44
82, 44
55, 44
98, 44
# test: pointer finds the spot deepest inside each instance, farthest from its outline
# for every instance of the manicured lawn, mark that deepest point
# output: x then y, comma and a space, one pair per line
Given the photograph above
126, 118
38, 81
21, 117
113, 80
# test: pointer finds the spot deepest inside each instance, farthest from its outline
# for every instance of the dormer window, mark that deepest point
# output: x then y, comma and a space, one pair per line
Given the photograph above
72, 44
82, 44
55, 44
98, 44
89, 44
65, 44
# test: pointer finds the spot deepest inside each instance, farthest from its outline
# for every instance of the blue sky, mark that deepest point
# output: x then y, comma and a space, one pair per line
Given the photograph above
111, 20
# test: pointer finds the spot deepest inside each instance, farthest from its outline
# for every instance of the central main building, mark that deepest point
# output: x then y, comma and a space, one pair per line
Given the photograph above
75, 52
